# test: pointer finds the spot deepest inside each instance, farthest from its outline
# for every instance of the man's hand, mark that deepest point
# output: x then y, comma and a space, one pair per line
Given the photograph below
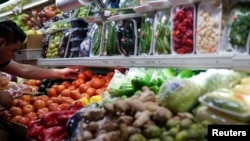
68, 73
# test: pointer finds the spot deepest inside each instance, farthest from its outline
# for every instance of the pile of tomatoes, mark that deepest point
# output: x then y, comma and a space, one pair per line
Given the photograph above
59, 97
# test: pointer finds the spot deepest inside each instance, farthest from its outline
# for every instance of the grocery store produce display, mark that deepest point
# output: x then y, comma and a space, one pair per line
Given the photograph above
169, 104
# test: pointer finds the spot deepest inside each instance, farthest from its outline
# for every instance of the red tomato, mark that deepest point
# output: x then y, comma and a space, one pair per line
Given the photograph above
39, 104
60, 88
52, 92
75, 94
28, 108
67, 84
66, 93
53, 107
81, 75
91, 91
23, 120
83, 88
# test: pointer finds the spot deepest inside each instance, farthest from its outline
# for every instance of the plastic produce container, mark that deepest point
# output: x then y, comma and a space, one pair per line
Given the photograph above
146, 35
162, 32
236, 37
209, 15
183, 23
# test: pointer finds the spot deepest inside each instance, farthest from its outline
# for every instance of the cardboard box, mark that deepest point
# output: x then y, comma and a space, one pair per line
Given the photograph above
28, 54
34, 41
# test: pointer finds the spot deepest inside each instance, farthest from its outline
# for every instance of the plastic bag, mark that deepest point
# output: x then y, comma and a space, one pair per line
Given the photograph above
63, 47
213, 79
205, 113
179, 95
230, 102
127, 37
96, 40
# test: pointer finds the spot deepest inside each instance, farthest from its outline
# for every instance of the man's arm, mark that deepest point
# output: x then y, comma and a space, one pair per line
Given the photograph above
34, 72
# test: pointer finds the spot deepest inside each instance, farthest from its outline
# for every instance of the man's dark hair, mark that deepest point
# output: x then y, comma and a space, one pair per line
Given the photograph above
11, 32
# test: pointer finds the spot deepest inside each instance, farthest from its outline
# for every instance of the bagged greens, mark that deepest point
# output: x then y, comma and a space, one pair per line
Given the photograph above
179, 95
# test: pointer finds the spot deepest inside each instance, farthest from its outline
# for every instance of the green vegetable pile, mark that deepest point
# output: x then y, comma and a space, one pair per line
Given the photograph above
136, 78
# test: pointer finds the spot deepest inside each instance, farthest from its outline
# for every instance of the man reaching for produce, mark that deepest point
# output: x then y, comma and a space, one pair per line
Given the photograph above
11, 38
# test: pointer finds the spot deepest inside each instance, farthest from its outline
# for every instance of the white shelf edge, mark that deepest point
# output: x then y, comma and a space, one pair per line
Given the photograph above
241, 63
177, 61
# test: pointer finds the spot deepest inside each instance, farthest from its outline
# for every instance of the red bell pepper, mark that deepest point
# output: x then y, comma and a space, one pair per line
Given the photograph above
56, 133
50, 119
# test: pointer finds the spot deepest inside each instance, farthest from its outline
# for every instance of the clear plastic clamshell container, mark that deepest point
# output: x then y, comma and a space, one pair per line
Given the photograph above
146, 35
183, 23
128, 36
209, 15
230, 102
96, 39
162, 32
236, 36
